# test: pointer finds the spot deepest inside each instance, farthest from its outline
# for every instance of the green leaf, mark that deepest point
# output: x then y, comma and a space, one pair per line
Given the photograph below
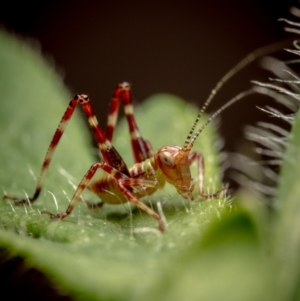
227, 264
117, 252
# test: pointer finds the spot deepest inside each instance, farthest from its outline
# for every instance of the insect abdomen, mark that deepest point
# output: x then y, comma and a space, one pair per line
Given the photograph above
106, 189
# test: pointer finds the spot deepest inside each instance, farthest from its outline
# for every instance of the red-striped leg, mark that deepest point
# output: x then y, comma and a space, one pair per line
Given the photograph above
196, 156
123, 183
113, 165
109, 153
141, 148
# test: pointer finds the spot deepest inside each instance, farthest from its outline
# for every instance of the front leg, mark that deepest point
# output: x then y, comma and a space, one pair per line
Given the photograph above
196, 156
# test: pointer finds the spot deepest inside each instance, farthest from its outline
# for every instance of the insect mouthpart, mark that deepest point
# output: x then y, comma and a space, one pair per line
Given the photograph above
186, 191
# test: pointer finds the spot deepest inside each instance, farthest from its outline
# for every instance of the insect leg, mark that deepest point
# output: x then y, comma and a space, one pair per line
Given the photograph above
196, 156
53, 144
82, 185
141, 148
130, 196
121, 181
109, 153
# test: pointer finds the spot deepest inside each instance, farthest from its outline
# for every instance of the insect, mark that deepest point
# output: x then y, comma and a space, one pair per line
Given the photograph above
151, 169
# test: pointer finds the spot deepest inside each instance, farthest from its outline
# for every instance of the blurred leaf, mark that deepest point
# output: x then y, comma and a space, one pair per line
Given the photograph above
227, 264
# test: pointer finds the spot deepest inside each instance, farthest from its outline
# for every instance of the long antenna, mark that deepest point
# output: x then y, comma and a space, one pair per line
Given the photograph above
239, 66
228, 104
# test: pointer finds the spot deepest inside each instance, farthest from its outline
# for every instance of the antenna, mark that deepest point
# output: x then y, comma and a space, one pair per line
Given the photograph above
239, 66
228, 104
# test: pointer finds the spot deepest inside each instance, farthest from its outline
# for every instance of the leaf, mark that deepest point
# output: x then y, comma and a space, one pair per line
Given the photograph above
115, 253
227, 264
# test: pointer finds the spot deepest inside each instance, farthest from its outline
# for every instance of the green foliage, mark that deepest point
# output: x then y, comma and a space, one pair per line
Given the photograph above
211, 250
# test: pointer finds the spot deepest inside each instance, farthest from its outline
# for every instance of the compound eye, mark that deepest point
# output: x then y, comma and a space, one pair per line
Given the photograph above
166, 158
